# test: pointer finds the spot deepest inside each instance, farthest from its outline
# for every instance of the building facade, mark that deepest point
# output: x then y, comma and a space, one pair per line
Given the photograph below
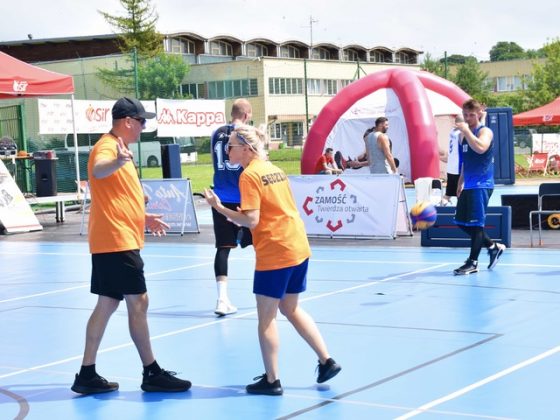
287, 83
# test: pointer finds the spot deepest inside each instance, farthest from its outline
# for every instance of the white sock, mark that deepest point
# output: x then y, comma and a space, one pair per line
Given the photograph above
222, 290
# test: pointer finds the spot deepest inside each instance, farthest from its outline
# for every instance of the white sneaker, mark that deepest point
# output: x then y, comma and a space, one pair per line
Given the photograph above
224, 308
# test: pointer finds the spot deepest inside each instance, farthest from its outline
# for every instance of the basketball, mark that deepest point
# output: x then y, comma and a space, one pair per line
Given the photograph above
423, 215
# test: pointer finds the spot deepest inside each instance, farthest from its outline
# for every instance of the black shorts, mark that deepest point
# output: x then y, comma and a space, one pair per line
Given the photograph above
115, 274
228, 234
451, 187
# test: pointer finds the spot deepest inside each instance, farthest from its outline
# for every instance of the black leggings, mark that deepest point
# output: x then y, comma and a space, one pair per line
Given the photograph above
221, 261
479, 238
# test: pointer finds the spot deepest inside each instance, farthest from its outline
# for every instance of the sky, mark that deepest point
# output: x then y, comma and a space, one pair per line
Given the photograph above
432, 26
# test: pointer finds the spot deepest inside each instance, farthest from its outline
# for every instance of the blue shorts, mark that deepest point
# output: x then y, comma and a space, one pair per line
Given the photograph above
276, 283
471, 207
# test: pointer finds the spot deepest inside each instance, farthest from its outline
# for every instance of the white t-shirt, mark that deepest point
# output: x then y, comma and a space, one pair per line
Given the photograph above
453, 155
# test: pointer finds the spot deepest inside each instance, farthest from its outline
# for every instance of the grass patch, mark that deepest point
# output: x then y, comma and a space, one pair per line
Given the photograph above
201, 173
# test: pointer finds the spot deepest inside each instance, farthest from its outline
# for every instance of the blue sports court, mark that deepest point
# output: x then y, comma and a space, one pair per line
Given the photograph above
413, 340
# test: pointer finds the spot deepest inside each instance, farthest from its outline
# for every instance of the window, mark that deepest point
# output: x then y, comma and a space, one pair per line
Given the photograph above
221, 48
257, 50
351, 55
331, 87
509, 83
285, 86
289, 51
196, 90
313, 87
321, 54
380, 57
223, 89
405, 58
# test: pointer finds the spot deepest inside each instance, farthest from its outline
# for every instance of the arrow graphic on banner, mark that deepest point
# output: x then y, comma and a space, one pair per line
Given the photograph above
334, 228
306, 209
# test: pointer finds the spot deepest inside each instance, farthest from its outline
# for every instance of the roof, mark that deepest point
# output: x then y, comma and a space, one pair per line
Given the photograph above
548, 114
21, 79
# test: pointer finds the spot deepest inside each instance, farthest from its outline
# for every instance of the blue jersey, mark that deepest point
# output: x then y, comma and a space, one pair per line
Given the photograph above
478, 169
226, 174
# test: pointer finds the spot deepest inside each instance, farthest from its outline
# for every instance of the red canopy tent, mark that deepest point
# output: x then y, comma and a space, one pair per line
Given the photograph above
548, 114
21, 80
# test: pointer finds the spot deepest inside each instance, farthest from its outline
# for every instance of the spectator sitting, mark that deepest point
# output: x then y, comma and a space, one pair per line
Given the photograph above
326, 164
349, 163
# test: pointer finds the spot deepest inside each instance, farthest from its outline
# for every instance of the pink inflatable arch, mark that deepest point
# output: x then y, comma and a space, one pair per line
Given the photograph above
410, 87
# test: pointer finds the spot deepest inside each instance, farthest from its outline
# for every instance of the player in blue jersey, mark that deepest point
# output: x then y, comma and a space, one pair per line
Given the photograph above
226, 187
476, 184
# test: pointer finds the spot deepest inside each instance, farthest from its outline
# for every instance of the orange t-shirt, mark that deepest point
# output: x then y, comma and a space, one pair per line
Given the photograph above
279, 238
117, 213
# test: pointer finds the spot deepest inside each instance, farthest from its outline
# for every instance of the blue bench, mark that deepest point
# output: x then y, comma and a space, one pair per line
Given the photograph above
446, 233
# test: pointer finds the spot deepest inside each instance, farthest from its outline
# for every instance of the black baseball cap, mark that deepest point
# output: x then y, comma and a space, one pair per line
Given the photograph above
130, 107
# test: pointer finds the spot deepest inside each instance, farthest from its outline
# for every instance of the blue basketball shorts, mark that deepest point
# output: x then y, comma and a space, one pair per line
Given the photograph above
276, 283
471, 207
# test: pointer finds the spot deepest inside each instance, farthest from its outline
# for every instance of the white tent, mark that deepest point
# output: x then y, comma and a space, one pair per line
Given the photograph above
347, 134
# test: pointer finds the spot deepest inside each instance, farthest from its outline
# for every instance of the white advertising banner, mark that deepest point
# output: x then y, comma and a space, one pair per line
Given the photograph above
55, 116
180, 118
15, 213
352, 205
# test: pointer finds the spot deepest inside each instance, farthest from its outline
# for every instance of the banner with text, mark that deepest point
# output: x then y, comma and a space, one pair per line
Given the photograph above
15, 213
179, 118
351, 205
172, 198
55, 116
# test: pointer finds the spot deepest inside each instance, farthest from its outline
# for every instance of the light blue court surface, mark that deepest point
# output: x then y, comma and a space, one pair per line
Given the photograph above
413, 340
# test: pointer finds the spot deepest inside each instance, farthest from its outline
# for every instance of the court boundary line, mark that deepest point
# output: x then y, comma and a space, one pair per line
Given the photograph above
390, 377
527, 362
206, 324
67, 289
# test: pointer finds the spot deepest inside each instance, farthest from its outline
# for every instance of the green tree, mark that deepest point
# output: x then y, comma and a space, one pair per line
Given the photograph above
433, 66
533, 54
161, 76
472, 80
504, 51
455, 59
137, 39
136, 30
545, 85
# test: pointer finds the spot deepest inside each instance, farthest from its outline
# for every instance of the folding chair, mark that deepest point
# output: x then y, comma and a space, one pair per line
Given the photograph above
429, 189
545, 190
538, 162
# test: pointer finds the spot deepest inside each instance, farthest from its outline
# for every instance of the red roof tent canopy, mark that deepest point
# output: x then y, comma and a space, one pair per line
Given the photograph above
548, 114
19, 79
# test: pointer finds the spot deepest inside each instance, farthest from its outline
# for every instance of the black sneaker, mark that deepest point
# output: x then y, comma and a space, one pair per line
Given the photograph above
327, 371
95, 385
495, 254
469, 267
165, 381
263, 387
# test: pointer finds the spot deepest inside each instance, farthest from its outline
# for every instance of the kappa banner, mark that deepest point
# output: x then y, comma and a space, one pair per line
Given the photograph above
353, 205
55, 116
177, 118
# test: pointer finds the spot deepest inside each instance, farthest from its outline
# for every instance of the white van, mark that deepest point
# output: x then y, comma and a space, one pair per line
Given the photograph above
150, 150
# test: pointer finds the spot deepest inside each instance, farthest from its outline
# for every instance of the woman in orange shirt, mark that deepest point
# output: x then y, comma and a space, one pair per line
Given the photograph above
282, 254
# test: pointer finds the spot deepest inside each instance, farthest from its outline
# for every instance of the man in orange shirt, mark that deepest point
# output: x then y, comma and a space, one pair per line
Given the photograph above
116, 234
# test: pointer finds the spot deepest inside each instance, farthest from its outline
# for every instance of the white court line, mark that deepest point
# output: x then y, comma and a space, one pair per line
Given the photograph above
480, 383
206, 324
52, 292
